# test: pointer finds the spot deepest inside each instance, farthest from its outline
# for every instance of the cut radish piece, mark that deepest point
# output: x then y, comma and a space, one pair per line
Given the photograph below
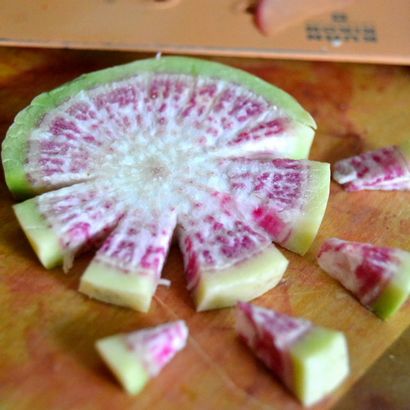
127, 268
220, 250
61, 223
286, 198
310, 360
383, 169
127, 153
378, 277
136, 357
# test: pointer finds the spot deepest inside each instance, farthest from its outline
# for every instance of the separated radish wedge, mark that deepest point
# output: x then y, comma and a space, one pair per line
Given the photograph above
378, 277
286, 198
136, 357
122, 157
383, 169
310, 360
226, 257
63, 222
127, 268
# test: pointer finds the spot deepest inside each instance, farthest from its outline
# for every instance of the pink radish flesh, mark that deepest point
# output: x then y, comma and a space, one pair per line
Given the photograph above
379, 277
382, 169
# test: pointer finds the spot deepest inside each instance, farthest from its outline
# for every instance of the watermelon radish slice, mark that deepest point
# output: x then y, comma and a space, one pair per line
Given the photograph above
383, 169
127, 268
379, 277
310, 360
62, 222
137, 357
286, 198
123, 156
220, 249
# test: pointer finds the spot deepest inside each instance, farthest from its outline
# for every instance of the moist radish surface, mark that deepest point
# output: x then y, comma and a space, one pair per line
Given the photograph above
386, 168
310, 360
137, 356
378, 276
125, 163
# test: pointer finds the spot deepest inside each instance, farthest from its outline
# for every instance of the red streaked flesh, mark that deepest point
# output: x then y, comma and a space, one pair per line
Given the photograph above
127, 268
80, 215
139, 243
270, 335
155, 141
216, 236
383, 169
138, 356
281, 195
310, 360
68, 146
156, 346
364, 269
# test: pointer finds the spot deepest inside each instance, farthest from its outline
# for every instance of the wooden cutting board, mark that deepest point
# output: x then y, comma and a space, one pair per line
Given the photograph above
48, 329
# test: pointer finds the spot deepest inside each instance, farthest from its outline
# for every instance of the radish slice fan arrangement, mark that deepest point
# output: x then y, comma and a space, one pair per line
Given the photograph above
123, 158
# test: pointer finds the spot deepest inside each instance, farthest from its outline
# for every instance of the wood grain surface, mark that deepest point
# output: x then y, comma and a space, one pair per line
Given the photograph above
48, 329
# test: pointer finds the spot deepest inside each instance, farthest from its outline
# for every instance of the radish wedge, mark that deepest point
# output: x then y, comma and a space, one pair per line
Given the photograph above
379, 277
136, 357
310, 360
226, 256
383, 169
286, 198
127, 268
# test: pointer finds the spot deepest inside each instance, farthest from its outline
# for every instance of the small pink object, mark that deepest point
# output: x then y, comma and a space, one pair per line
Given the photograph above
379, 277
137, 357
158, 345
310, 360
386, 169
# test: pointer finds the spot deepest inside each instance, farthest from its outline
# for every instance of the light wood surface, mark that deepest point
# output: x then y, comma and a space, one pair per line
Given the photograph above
48, 329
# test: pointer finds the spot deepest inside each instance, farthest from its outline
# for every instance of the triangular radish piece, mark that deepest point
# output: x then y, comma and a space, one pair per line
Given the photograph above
127, 268
226, 258
63, 222
286, 198
310, 360
379, 277
383, 169
136, 357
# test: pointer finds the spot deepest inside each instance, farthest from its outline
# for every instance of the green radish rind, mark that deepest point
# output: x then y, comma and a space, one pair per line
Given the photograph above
320, 362
395, 293
405, 150
122, 362
40, 235
110, 285
224, 288
309, 221
15, 145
